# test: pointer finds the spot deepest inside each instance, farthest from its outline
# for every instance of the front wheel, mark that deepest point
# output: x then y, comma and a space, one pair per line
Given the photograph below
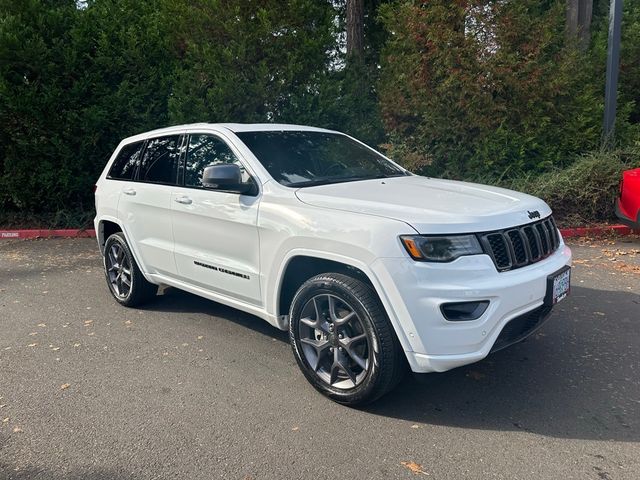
343, 341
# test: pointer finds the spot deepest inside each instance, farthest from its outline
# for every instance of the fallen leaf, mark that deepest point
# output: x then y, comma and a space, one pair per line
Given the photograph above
128, 322
5, 420
295, 429
200, 337
55, 349
33, 333
91, 334
64, 386
415, 426
42, 325
414, 467
17, 429
76, 344
32, 345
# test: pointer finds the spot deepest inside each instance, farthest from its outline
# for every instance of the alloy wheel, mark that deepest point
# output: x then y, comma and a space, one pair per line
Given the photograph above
118, 268
334, 342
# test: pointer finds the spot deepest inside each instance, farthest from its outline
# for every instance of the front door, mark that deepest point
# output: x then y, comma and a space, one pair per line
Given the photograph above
216, 234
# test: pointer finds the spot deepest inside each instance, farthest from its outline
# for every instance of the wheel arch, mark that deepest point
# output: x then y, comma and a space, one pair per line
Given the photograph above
301, 267
106, 228
347, 265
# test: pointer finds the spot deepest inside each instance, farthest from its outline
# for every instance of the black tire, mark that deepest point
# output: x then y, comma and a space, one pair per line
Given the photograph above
139, 289
385, 362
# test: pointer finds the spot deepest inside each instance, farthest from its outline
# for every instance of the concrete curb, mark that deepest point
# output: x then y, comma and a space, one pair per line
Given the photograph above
75, 233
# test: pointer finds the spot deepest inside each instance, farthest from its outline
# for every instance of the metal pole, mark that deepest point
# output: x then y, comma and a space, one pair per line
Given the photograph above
613, 61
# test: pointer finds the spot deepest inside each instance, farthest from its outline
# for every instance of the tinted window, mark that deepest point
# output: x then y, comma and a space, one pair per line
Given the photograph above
205, 150
160, 160
124, 166
304, 158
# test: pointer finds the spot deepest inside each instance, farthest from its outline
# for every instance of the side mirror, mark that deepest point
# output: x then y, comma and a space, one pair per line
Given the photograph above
227, 178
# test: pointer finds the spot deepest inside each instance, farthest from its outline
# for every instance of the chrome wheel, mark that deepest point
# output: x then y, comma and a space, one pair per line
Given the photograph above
118, 266
333, 341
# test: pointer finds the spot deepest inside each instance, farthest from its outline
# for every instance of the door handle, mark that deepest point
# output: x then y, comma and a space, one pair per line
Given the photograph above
129, 191
184, 200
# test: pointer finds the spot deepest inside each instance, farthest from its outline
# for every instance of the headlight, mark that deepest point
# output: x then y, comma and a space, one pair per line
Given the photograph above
440, 248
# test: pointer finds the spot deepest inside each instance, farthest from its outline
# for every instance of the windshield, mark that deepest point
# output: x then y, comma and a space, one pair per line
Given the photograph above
305, 158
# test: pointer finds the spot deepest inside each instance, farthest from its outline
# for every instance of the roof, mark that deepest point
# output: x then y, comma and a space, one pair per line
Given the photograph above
234, 127
243, 127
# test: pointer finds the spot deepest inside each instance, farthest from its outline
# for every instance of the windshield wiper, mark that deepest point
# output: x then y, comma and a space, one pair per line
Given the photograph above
328, 181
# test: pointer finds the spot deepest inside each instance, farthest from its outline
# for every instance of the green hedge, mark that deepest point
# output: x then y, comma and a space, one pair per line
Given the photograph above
467, 89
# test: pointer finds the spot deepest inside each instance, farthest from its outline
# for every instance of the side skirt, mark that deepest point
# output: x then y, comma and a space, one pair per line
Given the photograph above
216, 297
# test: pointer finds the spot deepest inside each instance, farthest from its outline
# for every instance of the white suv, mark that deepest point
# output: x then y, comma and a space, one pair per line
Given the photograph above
368, 266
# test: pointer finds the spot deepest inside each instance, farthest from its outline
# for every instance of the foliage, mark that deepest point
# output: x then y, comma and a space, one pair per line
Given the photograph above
465, 89
246, 61
72, 84
474, 86
584, 192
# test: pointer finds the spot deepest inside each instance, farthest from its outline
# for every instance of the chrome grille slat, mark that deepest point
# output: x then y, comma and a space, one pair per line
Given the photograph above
520, 246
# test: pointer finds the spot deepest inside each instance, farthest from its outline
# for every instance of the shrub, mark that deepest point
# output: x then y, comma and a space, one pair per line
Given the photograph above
584, 192
473, 87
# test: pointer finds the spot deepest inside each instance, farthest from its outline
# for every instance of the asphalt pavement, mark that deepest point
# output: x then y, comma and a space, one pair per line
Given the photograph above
187, 388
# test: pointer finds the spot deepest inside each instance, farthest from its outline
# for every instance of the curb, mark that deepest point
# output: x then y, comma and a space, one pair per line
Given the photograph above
76, 233
598, 231
64, 233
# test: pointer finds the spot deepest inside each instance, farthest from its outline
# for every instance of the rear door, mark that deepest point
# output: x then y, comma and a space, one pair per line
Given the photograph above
121, 175
145, 204
216, 233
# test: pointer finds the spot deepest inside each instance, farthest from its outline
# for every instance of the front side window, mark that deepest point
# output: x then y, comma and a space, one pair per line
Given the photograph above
307, 158
125, 164
160, 160
205, 150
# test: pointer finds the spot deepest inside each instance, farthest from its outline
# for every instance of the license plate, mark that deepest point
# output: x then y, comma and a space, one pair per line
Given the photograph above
558, 286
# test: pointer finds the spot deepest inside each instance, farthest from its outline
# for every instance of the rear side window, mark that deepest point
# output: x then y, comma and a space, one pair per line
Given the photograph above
160, 160
124, 166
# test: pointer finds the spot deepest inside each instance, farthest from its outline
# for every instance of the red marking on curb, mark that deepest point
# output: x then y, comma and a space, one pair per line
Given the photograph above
75, 233
597, 231
64, 233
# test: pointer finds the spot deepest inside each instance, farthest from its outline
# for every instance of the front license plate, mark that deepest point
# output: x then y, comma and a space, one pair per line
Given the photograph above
558, 286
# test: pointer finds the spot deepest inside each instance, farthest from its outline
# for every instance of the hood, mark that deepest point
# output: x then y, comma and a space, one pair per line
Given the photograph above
430, 205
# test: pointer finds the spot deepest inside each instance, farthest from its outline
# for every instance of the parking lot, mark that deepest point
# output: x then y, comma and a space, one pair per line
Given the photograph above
187, 388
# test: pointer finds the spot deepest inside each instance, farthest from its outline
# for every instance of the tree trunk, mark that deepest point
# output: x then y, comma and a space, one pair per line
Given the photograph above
573, 7
578, 26
584, 23
355, 28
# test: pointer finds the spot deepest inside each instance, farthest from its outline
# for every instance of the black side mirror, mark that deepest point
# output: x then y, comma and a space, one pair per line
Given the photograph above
227, 178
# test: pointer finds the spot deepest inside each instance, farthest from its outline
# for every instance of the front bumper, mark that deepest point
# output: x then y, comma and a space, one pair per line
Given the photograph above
416, 290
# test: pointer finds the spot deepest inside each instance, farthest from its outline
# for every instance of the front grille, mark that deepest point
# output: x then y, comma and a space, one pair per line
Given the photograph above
521, 327
520, 246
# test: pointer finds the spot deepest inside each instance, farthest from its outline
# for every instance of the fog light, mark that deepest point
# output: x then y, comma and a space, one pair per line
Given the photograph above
463, 311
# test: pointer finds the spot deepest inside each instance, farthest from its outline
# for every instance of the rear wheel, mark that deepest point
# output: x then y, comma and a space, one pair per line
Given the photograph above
125, 280
343, 341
